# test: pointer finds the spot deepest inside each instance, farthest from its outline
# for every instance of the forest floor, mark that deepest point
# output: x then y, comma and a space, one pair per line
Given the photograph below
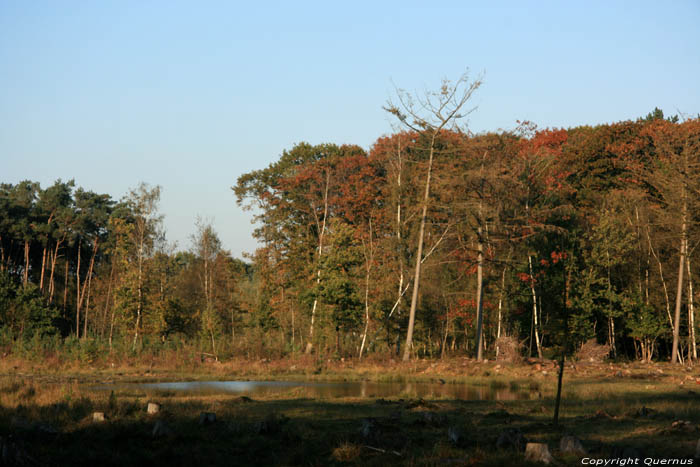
616, 410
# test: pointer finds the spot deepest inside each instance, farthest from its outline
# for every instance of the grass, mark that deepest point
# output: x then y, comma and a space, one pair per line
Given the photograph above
48, 418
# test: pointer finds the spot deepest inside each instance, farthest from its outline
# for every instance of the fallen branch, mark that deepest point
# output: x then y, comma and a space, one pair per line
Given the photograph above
383, 451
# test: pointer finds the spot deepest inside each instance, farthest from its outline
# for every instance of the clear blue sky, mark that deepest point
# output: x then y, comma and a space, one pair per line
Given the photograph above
190, 95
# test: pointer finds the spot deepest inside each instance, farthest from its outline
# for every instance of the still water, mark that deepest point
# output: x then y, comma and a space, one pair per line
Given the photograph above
314, 389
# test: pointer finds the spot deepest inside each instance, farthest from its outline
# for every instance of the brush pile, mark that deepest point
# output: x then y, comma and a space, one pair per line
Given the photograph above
592, 352
508, 349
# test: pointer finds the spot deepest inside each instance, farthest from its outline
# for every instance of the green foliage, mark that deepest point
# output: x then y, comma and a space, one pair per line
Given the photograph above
658, 114
339, 274
585, 305
642, 320
23, 310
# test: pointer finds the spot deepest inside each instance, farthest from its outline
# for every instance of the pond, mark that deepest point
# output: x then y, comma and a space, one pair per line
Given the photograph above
324, 390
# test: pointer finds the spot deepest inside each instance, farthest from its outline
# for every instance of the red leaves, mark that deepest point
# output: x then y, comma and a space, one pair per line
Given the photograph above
544, 143
526, 278
555, 257
558, 256
465, 310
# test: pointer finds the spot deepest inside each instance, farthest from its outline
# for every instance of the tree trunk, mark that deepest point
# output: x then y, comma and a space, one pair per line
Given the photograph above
675, 357
43, 266
500, 308
87, 308
43, 255
611, 318
310, 345
139, 286
369, 259
419, 255
65, 286
111, 328
87, 282
2, 255
691, 309
26, 263
77, 292
479, 298
401, 290
446, 326
107, 300
534, 309
480, 273
50, 286
663, 281
364, 333
53, 267
293, 328
612, 336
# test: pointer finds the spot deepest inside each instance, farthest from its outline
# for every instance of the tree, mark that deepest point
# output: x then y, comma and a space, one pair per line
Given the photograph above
339, 288
92, 213
207, 247
52, 203
670, 171
294, 196
428, 116
139, 230
23, 209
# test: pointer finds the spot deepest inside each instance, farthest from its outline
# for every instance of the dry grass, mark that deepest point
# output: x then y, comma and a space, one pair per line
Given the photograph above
347, 452
285, 429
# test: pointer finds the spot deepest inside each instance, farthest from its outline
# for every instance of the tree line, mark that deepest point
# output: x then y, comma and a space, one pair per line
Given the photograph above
80, 266
438, 241
434, 242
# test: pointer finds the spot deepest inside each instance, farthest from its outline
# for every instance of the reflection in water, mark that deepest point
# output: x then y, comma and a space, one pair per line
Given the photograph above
363, 389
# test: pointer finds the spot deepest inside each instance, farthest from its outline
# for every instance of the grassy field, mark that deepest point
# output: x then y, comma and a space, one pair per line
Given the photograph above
46, 418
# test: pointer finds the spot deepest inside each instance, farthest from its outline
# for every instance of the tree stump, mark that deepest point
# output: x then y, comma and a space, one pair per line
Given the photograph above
570, 444
538, 452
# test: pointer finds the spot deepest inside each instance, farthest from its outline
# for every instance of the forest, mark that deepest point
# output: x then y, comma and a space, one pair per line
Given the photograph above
435, 242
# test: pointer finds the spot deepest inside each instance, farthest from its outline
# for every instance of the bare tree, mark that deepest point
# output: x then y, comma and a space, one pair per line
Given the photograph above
428, 115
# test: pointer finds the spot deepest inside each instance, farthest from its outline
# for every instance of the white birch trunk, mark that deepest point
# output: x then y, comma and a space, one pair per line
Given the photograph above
534, 309
309, 345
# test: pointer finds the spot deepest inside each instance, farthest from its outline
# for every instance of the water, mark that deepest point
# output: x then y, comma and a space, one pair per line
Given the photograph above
325, 390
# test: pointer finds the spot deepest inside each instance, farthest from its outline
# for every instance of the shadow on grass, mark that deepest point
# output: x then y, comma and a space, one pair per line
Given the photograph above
342, 431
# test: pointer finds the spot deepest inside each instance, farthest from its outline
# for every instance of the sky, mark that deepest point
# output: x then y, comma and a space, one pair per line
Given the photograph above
191, 95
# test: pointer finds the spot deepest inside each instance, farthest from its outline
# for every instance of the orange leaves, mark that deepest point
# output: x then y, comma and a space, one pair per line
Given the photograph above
465, 310
526, 278
544, 143
558, 256
358, 189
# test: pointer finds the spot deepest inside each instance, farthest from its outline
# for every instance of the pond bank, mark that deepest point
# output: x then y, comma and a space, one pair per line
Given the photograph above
306, 368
